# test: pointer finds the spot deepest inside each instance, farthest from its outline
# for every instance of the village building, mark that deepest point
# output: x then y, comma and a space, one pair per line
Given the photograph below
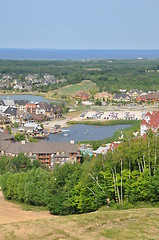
8, 102
20, 104
49, 153
11, 113
121, 97
150, 121
135, 93
4, 121
31, 107
103, 96
108, 147
81, 95
151, 97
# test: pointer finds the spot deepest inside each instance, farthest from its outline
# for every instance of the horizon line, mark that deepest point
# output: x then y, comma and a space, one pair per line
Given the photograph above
75, 49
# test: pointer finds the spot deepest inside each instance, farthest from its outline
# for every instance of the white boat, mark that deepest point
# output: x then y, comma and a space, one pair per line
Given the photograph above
65, 135
65, 130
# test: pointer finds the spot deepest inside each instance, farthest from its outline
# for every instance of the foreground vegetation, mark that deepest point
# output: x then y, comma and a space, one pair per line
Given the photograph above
128, 175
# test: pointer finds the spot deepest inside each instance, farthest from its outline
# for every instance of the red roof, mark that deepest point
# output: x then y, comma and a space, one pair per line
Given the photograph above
113, 146
143, 122
148, 114
154, 120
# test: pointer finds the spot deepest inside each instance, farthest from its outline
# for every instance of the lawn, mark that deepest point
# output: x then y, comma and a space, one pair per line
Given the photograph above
70, 90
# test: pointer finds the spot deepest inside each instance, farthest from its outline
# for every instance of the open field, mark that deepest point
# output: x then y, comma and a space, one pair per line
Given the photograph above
138, 224
70, 90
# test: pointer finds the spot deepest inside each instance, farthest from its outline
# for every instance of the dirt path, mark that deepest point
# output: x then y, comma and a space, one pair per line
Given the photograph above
11, 213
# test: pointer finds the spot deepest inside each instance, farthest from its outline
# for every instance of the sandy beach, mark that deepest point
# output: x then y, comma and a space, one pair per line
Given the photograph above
105, 116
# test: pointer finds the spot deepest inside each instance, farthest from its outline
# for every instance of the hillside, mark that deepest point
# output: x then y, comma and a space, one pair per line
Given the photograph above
16, 223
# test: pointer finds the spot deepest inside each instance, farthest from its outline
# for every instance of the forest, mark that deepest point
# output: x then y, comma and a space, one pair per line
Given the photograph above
108, 75
127, 176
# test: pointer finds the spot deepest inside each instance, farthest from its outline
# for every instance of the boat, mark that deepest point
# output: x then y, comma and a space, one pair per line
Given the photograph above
56, 129
65, 130
65, 135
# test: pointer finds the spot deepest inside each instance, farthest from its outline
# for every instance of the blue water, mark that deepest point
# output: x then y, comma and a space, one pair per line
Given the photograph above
82, 132
51, 54
31, 98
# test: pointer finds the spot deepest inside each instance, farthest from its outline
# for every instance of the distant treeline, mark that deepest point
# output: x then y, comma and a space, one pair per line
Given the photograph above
108, 75
128, 175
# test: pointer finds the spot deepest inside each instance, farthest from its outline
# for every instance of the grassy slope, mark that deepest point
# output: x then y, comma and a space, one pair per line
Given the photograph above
70, 90
104, 224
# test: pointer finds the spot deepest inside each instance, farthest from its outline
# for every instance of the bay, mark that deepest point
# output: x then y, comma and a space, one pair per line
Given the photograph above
57, 54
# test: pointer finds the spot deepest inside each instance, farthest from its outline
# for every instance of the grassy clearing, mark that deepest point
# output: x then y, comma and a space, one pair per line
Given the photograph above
124, 224
70, 90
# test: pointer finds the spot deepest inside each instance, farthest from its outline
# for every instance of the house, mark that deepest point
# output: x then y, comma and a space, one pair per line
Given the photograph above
103, 96
42, 108
121, 97
135, 93
11, 113
49, 153
54, 111
150, 121
20, 104
81, 95
108, 147
4, 121
150, 97
23, 116
39, 117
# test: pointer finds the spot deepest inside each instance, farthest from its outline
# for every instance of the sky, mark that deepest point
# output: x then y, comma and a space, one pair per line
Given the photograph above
79, 24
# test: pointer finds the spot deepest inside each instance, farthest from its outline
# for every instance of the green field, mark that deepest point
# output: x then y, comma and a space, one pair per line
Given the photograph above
70, 90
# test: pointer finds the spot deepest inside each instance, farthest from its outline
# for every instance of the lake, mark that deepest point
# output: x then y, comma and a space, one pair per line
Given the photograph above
82, 132
32, 98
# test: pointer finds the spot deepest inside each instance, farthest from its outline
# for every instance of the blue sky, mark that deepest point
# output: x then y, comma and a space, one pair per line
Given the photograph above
79, 24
